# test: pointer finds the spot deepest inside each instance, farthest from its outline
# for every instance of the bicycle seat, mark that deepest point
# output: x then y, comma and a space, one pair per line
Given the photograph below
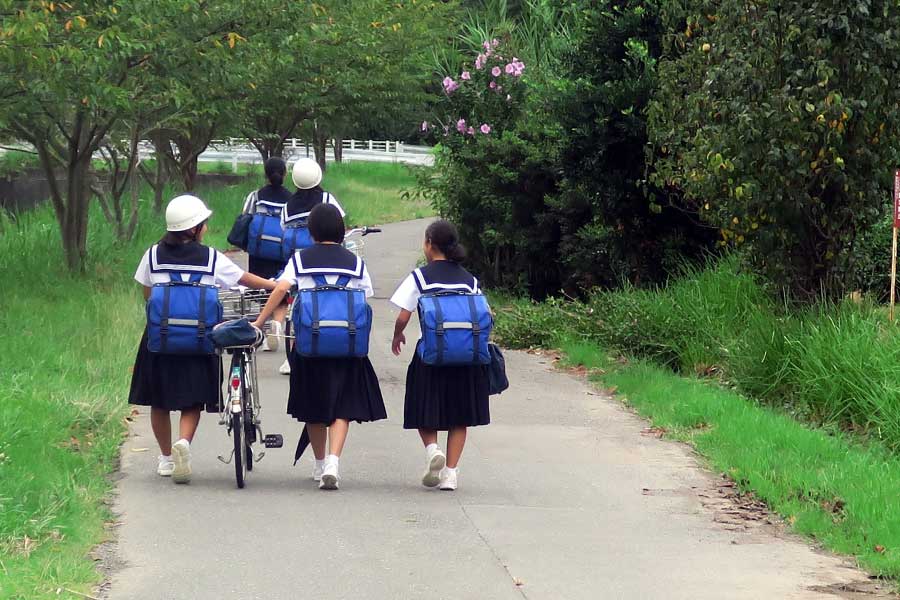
236, 334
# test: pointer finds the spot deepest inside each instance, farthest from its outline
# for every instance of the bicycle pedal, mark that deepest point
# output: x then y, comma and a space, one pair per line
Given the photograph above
230, 456
273, 440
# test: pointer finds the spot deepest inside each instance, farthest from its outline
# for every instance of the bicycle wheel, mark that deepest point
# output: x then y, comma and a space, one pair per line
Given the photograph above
240, 462
249, 431
287, 337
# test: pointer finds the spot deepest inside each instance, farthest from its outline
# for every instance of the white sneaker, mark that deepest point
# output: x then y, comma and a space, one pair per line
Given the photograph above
272, 335
285, 368
436, 462
181, 454
264, 347
318, 467
448, 479
330, 476
165, 467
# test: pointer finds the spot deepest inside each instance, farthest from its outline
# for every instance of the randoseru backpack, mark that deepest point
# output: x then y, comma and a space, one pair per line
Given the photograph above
455, 329
332, 320
265, 237
181, 314
296, 232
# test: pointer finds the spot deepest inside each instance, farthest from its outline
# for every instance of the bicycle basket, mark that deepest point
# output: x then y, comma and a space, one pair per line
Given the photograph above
237, 304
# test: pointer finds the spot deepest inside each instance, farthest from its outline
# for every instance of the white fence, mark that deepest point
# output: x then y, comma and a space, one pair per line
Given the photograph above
240, 151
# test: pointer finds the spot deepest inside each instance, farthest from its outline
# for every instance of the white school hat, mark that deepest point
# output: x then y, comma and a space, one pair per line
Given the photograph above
185, 212
306, 174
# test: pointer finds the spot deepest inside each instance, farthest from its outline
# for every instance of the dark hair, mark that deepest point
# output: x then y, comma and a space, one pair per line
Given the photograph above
326, 224
276, 169
177, 238
443, 236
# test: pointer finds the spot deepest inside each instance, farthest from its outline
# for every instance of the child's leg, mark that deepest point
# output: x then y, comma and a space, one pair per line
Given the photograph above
318, 436
429, 436
456, 441
190, 419
162, 429
338, 434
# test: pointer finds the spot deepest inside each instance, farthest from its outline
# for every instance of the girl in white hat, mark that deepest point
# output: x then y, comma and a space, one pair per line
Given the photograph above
307, 176
168, 378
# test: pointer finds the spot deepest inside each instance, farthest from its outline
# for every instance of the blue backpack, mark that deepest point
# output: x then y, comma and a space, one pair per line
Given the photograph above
181, 314
332, 320
455, 329
265, 237
296, 231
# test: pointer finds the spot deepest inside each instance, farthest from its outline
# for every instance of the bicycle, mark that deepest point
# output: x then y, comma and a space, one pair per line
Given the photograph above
354, 243
240, 411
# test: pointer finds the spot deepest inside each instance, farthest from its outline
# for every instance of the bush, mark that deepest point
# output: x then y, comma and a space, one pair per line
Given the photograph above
834, 365
13, 162
777, 120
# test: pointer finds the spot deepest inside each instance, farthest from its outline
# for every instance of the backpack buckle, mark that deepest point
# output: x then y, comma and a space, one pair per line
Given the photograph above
315, 328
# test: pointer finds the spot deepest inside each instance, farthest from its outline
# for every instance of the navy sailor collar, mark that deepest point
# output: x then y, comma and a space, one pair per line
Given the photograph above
328, 259
185, 258
444, 275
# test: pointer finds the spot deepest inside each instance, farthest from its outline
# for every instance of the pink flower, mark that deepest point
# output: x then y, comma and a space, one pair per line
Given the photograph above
479, 61
486, 45
461, 126
485, 128
450, 86
471, 131
496, 71
509, 69
424, 125
493, 85
495, 42
466, 76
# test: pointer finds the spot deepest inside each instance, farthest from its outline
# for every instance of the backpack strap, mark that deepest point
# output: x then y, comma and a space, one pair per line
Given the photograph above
439, 330
476, 328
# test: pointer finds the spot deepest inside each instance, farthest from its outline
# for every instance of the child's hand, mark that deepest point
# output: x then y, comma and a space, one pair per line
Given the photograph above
259, 324
399, 340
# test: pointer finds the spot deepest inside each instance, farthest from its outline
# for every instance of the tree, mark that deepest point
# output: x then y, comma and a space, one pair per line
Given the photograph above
780, 123
71, 72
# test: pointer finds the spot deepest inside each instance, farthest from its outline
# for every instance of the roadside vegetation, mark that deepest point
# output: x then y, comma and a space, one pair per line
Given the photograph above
69, 345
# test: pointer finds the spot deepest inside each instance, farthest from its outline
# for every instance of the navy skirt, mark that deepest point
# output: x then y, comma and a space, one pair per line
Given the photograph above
445, 397
267, 269
325, 389
175, 382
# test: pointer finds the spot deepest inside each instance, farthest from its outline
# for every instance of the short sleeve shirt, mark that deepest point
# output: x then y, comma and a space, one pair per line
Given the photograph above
304, 282
226, 274
408, 294
327, 199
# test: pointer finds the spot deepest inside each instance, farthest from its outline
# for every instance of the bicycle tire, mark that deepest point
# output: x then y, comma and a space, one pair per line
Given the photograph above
249, 433
237, 433
287, 338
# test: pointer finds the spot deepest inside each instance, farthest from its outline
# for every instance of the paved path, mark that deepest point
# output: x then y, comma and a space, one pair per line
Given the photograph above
562, 497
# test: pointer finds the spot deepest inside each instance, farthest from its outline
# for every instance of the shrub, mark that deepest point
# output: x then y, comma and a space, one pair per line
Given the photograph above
777, 121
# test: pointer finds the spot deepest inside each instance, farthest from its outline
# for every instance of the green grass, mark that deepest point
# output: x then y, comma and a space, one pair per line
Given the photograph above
69, 344
828, 487
799, 405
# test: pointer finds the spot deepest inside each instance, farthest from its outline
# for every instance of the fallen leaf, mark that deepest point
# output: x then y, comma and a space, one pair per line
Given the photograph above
518, 582
879, 549
139, 449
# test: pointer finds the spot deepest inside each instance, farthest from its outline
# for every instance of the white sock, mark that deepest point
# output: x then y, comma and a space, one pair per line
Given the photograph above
451, 469
320, 464
166, 456
333, 458
431, 448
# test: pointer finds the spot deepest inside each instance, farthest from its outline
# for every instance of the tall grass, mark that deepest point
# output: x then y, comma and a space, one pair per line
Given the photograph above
68, 346
834, 365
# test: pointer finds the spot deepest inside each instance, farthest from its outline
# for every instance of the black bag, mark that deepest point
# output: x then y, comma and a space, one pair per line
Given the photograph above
239, 231
498, 381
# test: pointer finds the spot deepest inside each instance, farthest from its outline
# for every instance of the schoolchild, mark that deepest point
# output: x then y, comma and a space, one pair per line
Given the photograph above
267, 205
440, 398
184, 382
307, 176
327, 393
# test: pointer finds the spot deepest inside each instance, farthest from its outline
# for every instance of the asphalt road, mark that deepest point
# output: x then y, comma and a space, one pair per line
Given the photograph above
561, 497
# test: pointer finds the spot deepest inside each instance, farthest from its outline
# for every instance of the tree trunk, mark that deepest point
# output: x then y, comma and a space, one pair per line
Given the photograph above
338, 144
320, 146
74, 225
188, 172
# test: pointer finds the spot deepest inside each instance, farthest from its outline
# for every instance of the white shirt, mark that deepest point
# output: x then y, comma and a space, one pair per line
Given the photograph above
304, 282
226, 274
329, 199
408, 294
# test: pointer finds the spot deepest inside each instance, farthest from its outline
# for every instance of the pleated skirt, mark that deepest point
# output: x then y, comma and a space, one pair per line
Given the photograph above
325, 389
267, 269
445, 397
175, 382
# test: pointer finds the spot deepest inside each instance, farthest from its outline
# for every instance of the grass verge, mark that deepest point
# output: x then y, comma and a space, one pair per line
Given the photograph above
69, 344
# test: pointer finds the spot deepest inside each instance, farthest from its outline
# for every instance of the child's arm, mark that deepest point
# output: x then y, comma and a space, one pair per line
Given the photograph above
400, 339
146, 291
275, 299
254, 281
